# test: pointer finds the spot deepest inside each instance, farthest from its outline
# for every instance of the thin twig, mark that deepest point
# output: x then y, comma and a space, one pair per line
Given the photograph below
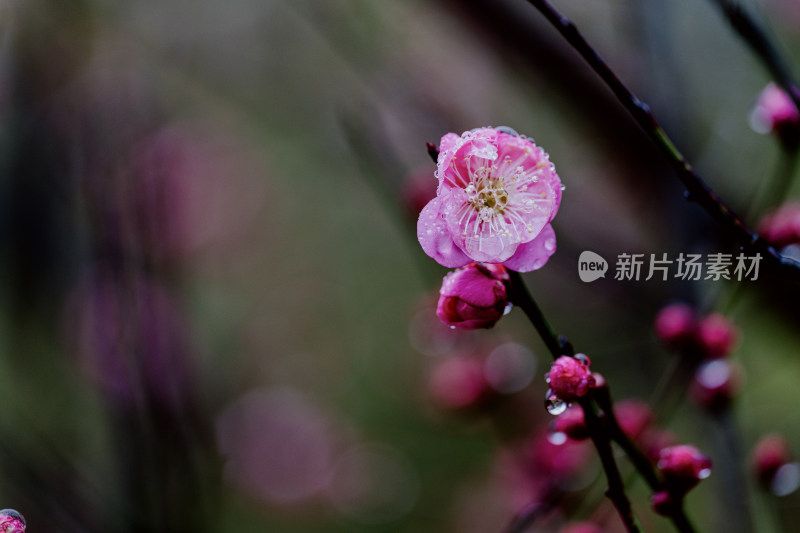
603, 428
521, 297
759, 41
697, 190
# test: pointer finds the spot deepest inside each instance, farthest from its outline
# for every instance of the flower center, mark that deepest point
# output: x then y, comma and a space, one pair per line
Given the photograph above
488, 197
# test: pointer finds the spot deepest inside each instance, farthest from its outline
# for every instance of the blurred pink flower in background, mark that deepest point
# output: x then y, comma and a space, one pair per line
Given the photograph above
497, 194
774, 111
675, 325
634, 417
781, 227
459, 383
774, 465
717, 336
715, 383
130, 338
683, 466
582, 527
279, 447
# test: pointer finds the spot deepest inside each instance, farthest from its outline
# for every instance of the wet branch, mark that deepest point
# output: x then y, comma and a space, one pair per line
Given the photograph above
696, 189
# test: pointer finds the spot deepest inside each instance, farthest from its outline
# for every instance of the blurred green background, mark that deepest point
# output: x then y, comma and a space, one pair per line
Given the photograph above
214, 312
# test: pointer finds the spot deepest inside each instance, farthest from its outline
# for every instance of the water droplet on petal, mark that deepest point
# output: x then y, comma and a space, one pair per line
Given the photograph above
554, 404
507, 130
508, 308
12, 521
583, 358
704, 473
550, 245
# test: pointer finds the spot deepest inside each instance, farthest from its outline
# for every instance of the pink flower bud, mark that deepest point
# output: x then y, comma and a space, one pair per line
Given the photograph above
571, 423
715, 383
633, 416
716, 336
675, 325
683, 466
781, 227
774, 112
570, 377
12, 521
663, 503
769, 455
473, 297
459, 383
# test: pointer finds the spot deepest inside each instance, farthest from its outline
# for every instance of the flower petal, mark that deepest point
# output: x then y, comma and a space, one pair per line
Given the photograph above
435, 239
534, 254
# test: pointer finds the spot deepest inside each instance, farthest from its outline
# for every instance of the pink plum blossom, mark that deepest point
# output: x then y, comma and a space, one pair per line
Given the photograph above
497, 195
473, 297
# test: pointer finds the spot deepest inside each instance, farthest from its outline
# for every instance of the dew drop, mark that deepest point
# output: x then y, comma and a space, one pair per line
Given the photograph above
550, 245
452, 327
583, 358
704, 473
507, 130
554, 404
557, 438
563, 187
508, 308
17, 524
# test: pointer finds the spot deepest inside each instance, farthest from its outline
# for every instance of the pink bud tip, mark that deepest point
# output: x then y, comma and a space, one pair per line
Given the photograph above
774, 111
473, 297
663, 503
570, 377
769, 455
716, 336
675, 325
683, 466
715, 383
781, 227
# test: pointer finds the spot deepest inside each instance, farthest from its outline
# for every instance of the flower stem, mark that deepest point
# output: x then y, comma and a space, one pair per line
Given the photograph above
602, 443
603, 427
521, 297
696, 189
